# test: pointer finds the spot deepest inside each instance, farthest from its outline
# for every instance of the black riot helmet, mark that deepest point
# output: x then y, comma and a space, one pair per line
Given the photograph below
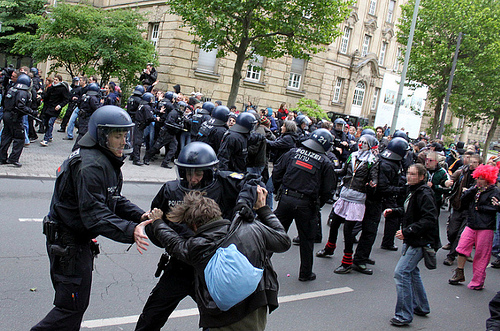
244, 123
320, 141
93, 89
148, 97
103, 123
208, 107
400, 134
23, 82
368, 132
220, 114
139, 90
339, 121
396, 149
196, 166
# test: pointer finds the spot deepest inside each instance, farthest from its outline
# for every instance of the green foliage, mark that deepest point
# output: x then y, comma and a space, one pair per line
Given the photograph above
13, 15
270, 28
476, 77
83, 39
310, 108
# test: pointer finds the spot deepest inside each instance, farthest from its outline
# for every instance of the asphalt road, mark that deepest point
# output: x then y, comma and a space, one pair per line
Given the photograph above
123, 279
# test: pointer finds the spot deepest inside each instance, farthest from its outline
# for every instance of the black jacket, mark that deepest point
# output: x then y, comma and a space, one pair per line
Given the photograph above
211, 132
481, 214
87, 199
306, 172
253, 239
18, 101
56, 95
281, 145
144, 116
420, 217
388, 181
233, 152
358, 179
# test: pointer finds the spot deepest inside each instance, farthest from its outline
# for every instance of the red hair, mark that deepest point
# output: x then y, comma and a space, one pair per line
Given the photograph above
486, 172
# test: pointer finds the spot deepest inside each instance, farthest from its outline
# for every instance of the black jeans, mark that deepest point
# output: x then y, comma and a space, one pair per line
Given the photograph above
13, 132
370, 224
334, 231
456, 225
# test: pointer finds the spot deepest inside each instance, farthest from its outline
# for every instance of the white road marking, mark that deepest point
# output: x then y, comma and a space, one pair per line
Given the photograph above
30, 219
194, 311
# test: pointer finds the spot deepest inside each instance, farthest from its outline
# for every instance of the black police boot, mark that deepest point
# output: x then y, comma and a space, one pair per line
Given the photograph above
343, 269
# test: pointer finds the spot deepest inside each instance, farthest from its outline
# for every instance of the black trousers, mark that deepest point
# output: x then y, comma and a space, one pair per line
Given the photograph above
456, 225
493, 323
348, 228
166, 139
13, 132
138, 140
67, 116
304, 213
392, 224
369, 226
72, 291
176, 283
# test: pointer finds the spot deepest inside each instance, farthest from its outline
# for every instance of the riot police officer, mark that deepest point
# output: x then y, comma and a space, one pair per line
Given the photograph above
134, 101
17, 103
212, 131
233, 151
303, 123
86, 203
340, 142
143, 116
306, 177
199, 117
89, 104
197, 170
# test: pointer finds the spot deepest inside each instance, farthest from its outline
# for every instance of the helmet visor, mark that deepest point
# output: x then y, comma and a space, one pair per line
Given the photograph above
195, 178
118, 139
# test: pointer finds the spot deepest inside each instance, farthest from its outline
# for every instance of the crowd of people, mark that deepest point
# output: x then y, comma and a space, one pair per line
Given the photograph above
243, 162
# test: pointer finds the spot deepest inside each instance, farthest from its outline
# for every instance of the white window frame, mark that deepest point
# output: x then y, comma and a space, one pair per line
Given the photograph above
373, 7
296, 72
337, 90
396, 60
359, 94
207, 61
383, 50
367, 39
344, 41
254, 68
376, 93
155, 34
390, 11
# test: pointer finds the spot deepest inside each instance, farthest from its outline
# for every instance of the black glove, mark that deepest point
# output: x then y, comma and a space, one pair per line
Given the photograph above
246, 213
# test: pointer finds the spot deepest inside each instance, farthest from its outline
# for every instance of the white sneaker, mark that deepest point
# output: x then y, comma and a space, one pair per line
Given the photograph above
44, 143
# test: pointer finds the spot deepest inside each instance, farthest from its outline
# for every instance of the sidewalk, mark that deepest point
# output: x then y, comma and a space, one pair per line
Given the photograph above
42, 162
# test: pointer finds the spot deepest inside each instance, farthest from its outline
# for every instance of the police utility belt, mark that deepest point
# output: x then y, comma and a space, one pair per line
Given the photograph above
295, 194
64, 245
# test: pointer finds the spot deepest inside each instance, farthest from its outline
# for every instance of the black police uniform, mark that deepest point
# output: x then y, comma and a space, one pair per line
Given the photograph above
383, 196
201, 116
338, 138
167, 137
142, 117
177, 281
88, 106
306, 181
211, 132
86, 203
133, 104
233, 151
17, 102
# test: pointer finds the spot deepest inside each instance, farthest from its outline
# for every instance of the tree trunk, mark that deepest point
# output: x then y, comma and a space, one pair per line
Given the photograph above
491, 133
437, 117
235, 84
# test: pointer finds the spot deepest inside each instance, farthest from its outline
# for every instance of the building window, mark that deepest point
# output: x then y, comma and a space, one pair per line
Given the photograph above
337, 90
207, 61
255, 68
296, 72
375, 98
155, 33
396, 61
381, 57
390, 11
373, 7
366, 45
344, 43
359, 94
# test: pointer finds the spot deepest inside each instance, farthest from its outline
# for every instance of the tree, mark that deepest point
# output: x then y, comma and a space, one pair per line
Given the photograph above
83, 39
270, 28
310, 108
13, 18
434, 44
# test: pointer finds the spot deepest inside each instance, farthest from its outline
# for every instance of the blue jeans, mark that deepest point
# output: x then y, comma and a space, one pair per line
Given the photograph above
409, 286
71, 123
26, 129
270, 191
185, 139
149, 135
48, 133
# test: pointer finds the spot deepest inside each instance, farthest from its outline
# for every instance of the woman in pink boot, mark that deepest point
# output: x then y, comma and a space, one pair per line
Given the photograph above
482, 203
